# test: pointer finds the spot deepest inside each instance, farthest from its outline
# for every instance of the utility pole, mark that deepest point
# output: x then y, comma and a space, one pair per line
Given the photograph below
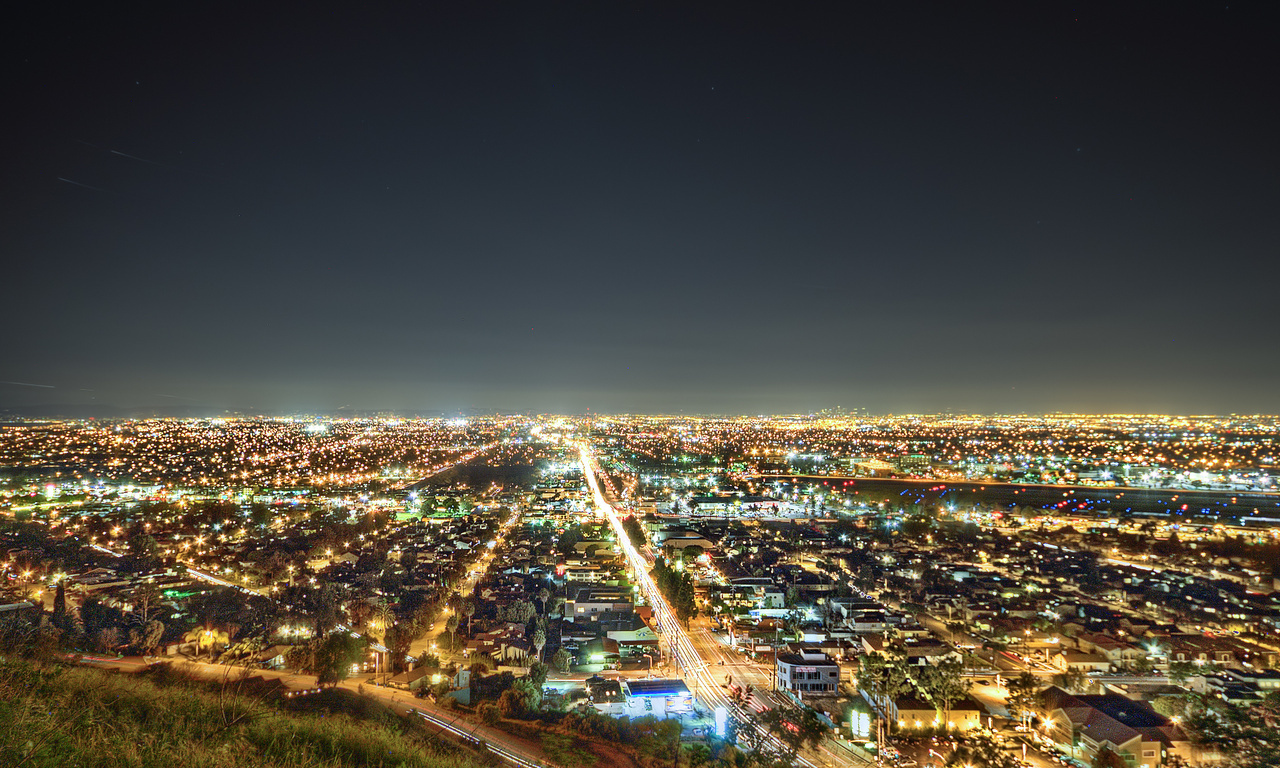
775, 659
880, 727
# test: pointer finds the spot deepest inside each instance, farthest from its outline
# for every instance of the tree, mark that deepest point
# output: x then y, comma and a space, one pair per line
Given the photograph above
635, 532
539, 640
697, 755
884, 675
1170, 706
300, 657
143, 597
981, 751
512, 704
335, 657
325, 606
562, 660
538, 673
60, 601
207, 637
543, 595
520, 612
1246, 733
259, 514
943, 685
684, 603
107, 639
469, 610
96, 616
399, 641
489, 714
146, 637
1022, 696
1108, 758
569, 539
452, 626
794, 727
1073, 680
1181, 671
522, 698
382, 619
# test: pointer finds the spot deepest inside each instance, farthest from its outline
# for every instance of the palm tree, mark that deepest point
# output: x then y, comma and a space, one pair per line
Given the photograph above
539, 640
543, 595
452, 626
469, 608
383, 618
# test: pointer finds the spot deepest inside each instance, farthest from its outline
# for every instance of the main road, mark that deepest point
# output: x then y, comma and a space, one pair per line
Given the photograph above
694, 668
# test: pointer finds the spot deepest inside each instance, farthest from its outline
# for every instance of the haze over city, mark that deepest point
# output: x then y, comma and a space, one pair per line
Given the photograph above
721, 209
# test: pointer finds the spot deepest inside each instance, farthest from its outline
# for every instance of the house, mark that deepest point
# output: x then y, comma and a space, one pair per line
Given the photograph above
507, 644
1085, 725
413, 679
1228, 651
1079, 661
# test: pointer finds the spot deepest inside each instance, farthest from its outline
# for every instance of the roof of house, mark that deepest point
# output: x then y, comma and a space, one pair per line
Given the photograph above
1113, 718
413, 675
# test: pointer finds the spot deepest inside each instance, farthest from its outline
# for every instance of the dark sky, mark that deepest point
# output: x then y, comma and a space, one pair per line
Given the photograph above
739, 208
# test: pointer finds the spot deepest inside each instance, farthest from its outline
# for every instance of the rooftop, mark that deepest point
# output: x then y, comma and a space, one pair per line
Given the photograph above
656, 688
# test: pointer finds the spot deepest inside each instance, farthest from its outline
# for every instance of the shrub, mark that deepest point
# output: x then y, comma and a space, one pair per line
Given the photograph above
489, 713
512, 703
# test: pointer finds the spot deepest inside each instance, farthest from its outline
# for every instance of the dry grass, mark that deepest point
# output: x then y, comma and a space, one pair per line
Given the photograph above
75, 717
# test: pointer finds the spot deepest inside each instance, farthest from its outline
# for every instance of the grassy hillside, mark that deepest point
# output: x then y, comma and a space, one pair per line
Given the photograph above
70, 717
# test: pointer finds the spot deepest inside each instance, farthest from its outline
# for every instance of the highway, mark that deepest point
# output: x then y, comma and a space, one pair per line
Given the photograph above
693, 666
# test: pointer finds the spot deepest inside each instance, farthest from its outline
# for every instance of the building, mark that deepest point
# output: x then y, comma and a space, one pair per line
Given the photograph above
1083, 726
809, 671
594, 600
912, 713
870, 467
413, 679
657, 698
1080, 661
912, 462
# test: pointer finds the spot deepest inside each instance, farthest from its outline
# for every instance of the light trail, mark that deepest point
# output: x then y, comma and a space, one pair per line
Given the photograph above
506, 754
686, 656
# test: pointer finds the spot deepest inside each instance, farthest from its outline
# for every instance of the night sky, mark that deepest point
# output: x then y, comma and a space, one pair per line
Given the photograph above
640, 207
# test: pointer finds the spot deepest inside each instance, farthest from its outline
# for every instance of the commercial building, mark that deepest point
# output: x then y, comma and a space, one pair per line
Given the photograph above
595, 600
808, 671
659, 698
